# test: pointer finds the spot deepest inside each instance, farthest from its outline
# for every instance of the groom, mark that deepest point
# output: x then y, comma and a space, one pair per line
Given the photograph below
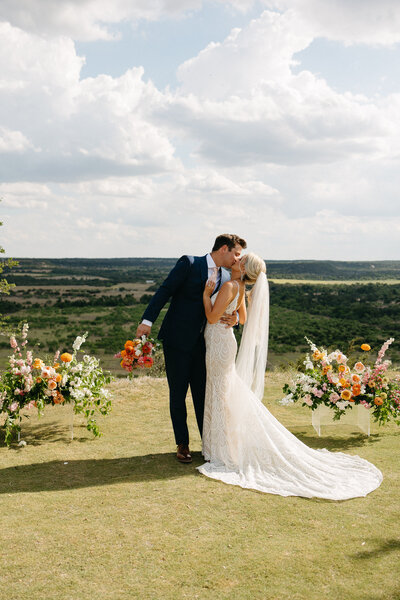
182, 330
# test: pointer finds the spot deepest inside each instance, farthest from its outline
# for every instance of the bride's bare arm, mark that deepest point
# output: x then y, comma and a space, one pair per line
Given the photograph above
242, 311
225, 296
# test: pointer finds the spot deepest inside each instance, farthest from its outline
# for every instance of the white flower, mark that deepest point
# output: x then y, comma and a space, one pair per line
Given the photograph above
342, 404
79, 341
286, 400
22, 443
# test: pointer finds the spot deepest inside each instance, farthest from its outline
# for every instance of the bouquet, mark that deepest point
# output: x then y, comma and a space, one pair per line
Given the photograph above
30, 382
332, 379
137, 354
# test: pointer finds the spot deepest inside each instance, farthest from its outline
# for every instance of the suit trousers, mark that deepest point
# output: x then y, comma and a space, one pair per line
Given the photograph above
185, 368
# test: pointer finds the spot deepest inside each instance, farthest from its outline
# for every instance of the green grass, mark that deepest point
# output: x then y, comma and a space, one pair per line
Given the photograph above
118, 517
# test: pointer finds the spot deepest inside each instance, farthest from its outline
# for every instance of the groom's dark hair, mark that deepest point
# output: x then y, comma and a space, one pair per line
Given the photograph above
230, 240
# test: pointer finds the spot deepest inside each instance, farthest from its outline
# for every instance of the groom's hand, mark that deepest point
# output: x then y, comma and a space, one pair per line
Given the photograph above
143, 330
228, 320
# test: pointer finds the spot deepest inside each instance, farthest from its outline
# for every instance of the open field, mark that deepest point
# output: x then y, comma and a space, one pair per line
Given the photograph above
334, 281
118, 518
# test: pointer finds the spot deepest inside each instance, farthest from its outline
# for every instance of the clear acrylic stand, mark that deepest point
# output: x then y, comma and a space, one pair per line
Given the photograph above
358, 416
71, 423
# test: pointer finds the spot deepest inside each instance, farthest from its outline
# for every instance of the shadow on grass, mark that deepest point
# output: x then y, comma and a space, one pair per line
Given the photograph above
37, 434
59, 475
355, 440
381, 548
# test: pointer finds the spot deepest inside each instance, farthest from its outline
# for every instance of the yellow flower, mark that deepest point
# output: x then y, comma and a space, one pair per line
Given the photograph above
37, 363
383, 395
345, 395
365, 347
317, 355
344, 383
341, 368
371, 384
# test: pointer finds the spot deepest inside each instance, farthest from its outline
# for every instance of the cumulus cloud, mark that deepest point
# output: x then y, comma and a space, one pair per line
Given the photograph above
295, 167
66, 128
87, 20
354, 22
241, 101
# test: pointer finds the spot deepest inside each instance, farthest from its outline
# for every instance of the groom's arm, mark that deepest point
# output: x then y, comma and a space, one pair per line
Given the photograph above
167, 289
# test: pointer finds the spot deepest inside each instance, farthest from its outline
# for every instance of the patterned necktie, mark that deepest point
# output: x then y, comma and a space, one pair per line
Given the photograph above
217, 279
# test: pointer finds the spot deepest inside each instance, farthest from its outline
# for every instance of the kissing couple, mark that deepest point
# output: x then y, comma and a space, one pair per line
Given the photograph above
242, 442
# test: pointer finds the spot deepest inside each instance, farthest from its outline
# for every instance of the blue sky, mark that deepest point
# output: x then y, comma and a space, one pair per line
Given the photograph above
147, 127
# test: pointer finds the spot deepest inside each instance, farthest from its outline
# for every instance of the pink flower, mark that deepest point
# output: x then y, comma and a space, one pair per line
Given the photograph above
13, 342
316, 392
13, 406
307, 399
334, 397
29, 357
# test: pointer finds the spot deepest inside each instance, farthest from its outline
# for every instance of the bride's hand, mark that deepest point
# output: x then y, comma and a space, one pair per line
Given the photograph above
209, 288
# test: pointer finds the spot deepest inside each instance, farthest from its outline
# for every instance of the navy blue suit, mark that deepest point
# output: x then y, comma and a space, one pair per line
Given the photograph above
182, 334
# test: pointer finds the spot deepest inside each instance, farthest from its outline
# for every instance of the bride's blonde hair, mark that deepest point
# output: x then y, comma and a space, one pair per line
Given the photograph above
253, 266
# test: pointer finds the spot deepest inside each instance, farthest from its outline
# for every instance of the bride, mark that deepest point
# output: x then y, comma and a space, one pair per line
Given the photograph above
243, 443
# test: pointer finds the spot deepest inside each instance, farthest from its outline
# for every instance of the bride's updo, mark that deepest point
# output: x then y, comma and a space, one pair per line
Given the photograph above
253, 266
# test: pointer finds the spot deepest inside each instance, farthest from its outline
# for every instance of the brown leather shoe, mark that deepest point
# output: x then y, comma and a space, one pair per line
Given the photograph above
183, 454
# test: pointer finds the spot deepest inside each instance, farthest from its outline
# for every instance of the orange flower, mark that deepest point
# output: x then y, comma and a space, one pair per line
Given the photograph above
37, 363
51, 384
56, 365
58, 378
371, 384
39, 380
344, 383
365, 347
341, 368
148, 362
326, 369
66, 357
378, 401
317, 355
355, 378
58, 398
356, 389
346, 395
123, 353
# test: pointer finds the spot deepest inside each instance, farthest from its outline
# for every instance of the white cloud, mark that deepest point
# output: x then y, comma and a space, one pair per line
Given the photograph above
76, 128
87, 19
12, 141
295, 167
241, 101
349, 21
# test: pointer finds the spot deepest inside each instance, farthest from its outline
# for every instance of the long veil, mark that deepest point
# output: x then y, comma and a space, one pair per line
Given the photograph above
251, 360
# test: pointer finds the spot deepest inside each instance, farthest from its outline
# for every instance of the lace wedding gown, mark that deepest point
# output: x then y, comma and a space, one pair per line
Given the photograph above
246, 446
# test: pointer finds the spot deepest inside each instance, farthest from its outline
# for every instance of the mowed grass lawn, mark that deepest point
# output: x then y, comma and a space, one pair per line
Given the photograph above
118, 517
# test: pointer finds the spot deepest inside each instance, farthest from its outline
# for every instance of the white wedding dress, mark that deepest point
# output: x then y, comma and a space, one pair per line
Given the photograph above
246, 446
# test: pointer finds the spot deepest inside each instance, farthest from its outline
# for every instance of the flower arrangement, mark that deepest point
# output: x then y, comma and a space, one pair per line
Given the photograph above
333, 380
34, 383
137, 354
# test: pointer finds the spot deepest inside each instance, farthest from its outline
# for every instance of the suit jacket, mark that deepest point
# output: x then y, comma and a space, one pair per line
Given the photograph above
185, 319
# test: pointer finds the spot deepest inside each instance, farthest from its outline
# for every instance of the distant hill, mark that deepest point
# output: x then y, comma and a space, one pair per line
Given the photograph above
111, 271
333, 270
